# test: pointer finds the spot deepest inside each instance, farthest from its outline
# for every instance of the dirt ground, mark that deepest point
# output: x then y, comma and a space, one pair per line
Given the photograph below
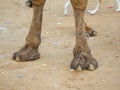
52, 71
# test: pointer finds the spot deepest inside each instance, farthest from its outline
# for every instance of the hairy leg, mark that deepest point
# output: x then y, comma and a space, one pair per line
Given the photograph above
82, 55
30, 50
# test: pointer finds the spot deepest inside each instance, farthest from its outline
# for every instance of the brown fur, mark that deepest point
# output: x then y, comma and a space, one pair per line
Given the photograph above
82, 55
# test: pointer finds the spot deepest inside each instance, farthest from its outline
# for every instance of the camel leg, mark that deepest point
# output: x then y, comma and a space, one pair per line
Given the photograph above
30, 50
82, 55
89, 30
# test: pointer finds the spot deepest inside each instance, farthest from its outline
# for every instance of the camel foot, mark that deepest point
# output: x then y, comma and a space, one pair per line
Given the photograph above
84, 61
26, 54
91, 63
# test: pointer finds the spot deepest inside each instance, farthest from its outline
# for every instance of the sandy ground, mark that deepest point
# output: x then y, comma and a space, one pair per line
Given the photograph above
51, 71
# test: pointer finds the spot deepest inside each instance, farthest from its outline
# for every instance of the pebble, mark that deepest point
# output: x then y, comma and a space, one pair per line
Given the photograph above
72, 70
2, 56
58, 34
44, 65
47, 32
103, 80
3, 72
3, 28
20, 76
57, 43
91, 38
56, 85
1, 51
59, 23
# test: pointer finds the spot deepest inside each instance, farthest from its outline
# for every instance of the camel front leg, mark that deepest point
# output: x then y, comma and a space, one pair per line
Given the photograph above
82, 55
33, 39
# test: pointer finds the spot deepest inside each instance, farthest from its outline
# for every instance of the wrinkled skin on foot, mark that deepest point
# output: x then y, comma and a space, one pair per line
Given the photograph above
91, 63
84, 61
26, 54
78, 62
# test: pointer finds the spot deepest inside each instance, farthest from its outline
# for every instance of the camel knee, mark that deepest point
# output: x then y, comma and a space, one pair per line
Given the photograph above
79, 4
38, 2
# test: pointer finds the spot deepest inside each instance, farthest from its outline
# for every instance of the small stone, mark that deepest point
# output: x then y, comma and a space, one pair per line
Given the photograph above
91, 38
20, 76
3, 72
56, 85
3, 28
58, 34
1, 51
59, 23
45, 65
23, 29
72, 70
57, 43
70, 86
47, 32
92, 52
103, 80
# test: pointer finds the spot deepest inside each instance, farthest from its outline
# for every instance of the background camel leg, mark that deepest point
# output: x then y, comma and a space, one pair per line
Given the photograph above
90, 30
33, 39
82, 54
